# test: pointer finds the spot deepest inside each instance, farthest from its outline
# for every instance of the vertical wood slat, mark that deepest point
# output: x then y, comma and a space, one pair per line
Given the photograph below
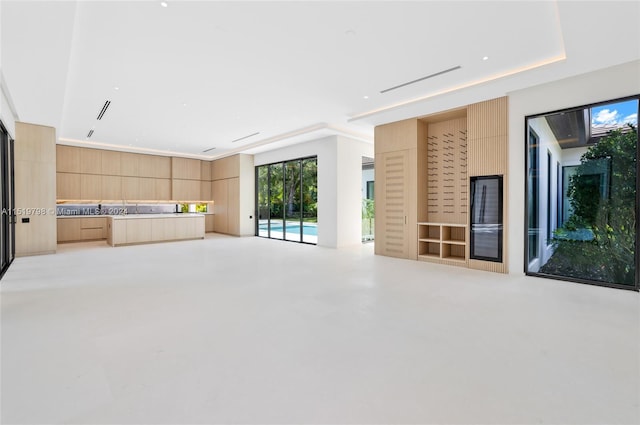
488, 155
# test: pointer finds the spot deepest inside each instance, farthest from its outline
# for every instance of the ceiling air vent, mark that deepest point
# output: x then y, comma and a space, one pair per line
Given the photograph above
207, 150
90, 133
104, 109
245, 137
421, 79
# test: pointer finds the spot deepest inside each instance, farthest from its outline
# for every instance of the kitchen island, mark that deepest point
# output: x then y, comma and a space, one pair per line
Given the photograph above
132, 229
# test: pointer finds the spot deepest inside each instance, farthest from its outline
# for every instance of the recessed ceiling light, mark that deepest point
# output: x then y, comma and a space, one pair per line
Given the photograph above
163, 4
184, 104
485, 58
365, 97
116, 88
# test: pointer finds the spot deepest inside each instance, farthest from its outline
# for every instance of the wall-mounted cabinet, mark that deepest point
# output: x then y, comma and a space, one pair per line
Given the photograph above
422, 168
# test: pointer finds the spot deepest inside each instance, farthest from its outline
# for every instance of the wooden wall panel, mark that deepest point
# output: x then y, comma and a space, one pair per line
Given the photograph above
447, 182
90, 187
488, 119
146, 188
225, 168
111, 164
35, 189
68, 186
111, 188
163, 189
205, 170
396, 136
233, 206
67, 159
185, 168
154, 166
130, 188
488, 155
129, 164
90, 161
220, 194
392, 195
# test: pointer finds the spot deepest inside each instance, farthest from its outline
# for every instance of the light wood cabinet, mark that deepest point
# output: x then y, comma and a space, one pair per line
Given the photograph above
225, 168
68, 229
90, 161
67, 159
205, 170
205, 190
185, 168
392, 194
154, 166
220, 205
233, 206
163, 189
443, 243
127, 230
130, 189
208, 222
129, 164
111, 163
146, 188
185, 190
68, 186
111, 188
226, 206
90, 187
75, 229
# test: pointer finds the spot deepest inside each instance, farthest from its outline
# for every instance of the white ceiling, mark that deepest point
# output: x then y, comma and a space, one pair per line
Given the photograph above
197, 75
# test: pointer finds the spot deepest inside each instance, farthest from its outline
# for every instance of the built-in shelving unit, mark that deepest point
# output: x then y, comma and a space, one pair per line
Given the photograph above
442, 241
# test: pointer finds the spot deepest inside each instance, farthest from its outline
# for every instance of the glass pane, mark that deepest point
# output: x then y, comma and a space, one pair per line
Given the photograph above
292, 201
262, 187
310, 200
486, 218
595, 238
276, 210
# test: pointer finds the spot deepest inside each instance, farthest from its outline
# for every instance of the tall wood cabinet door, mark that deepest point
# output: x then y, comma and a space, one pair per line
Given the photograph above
392, 204
233, 206
219, 189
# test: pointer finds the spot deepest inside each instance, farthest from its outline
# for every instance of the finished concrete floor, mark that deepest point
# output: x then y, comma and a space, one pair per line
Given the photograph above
250, 330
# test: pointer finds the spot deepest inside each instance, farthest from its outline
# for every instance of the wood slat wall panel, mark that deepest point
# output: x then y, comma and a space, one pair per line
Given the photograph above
394, 167
488, 155
447, 182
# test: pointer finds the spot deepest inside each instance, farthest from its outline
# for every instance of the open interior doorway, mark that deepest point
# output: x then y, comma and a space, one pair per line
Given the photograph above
368, 210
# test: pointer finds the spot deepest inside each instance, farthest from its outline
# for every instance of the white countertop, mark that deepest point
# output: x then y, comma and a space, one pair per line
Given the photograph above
134, 216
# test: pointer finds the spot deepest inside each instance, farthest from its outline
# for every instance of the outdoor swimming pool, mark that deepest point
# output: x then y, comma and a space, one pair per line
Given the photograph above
307, 229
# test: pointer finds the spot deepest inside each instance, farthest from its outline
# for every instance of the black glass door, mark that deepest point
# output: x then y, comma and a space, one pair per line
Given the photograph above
7, 199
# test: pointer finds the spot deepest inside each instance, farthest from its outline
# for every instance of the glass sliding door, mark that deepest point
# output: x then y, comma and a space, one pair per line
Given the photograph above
286, 200
309, 196
262, 201
594, 238
292, 213
7, 201
276, 192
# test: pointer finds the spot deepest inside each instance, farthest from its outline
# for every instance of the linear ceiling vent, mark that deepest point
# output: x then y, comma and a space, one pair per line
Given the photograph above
245, 137
421, 79
104, 109
207, 150
90, 133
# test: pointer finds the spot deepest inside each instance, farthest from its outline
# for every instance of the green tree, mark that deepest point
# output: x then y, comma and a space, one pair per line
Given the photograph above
603, 194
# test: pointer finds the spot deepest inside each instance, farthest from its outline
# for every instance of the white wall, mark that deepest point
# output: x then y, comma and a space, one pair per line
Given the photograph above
606, 84
247, 196
350, 153
339, 185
